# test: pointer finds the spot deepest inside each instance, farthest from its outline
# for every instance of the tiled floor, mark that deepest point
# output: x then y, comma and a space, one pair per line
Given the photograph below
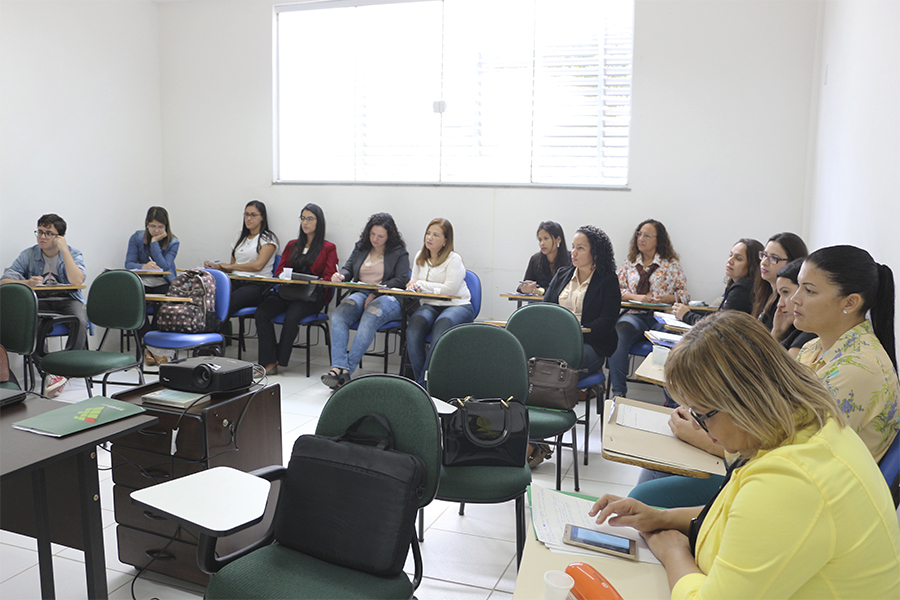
465, 558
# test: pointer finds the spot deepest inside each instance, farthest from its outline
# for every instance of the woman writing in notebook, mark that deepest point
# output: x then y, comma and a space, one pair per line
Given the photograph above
543, 265
651, 274
742, 281
312, 254
437, 269
379, 258
855, 357
153, 248
253, 254
804, 514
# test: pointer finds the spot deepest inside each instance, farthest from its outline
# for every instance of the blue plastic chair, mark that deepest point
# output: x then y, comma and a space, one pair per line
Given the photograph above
171, 340
474, 285
642, 348
890, 468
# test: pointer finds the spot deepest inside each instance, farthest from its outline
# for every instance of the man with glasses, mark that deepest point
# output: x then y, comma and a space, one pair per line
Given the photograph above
53, 262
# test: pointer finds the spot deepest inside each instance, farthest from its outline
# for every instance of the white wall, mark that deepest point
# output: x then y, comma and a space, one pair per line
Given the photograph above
720, 137
857, 178
722, 95
80, 123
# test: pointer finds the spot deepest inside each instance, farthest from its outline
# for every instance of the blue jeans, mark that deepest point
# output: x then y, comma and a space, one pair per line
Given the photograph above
435, 320
664, 490
630, 328
590, 360
380, 311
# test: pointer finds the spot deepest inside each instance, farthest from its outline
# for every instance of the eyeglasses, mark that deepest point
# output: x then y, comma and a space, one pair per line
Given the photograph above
307, 219
156, 227
45, 234
253, 215
772, 258
702, 418
646, 236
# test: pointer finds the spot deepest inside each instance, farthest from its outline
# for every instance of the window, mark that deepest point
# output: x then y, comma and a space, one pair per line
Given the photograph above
519, 92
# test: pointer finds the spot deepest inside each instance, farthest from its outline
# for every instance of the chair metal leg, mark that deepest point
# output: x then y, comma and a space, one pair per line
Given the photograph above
575, 455
520, 528
462, 508
421, 524
559, 462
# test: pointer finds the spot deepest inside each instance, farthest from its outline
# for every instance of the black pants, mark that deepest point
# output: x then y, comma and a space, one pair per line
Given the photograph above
68, 306
244, 295
270, 350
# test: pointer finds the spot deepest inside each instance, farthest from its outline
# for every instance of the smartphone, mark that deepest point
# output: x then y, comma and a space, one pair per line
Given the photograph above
600, 542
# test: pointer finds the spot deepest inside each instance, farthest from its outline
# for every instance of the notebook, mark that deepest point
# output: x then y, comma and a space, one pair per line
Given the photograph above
9, 396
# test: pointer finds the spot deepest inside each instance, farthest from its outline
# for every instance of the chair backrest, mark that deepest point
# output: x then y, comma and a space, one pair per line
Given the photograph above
276, 263
18, 318
548, 331
474, 285
116, 300
223, 292
890, 467
405, 405
480, 360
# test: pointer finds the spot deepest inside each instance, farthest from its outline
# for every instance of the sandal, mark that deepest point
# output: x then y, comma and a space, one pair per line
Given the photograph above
541, 453
333, 378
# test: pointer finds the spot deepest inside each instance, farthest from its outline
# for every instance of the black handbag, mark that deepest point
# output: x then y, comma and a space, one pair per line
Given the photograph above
491, 432
351, 500
552, 384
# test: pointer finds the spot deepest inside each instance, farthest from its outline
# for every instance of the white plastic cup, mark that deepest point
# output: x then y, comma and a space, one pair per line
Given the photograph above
557, 585
287, 272
660, 354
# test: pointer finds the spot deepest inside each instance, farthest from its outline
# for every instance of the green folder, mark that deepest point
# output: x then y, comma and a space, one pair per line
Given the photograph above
83, 415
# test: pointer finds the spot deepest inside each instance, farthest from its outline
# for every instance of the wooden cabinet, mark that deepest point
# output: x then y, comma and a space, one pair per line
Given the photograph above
240, 429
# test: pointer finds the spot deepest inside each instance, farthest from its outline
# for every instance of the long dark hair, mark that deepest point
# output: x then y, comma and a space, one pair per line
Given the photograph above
601, 249
264, 231
382, 219
795, 248
754, 247
854, 271
563, 258
663, 243
157, 213
300, 261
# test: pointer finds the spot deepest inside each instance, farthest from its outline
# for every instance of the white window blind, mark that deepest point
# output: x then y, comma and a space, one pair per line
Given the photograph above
523, 92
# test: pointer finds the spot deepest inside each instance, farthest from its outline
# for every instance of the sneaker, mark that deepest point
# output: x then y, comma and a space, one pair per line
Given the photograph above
55, 385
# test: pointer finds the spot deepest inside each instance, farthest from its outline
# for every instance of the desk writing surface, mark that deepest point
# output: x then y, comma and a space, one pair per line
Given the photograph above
42, 289
525, 297
164, 298
22, 451
651, 450
503, 324
632, 579
650, 372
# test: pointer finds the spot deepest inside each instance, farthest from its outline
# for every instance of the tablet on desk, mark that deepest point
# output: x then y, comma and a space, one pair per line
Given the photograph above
303, 277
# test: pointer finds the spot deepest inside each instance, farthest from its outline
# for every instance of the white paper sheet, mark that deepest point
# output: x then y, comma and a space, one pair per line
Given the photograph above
551, 511
643, 419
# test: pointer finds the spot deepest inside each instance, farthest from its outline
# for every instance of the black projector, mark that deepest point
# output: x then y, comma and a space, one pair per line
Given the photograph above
207, 374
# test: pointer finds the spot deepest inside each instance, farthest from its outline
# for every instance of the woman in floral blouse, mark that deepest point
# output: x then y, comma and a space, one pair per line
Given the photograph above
854, 357
651, 274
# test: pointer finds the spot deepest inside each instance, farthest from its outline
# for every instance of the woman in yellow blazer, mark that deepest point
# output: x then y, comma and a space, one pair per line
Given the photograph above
805, 514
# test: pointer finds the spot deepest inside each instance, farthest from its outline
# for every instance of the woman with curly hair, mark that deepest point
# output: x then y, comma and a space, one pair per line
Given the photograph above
590, 290
651, 274
379, 257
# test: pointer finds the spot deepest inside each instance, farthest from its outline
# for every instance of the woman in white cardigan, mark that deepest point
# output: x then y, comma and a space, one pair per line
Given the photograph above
436, 270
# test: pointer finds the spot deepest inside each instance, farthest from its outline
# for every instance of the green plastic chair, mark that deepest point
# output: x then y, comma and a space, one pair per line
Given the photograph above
19, 324
484, 361
551, 331
270, 570
116, 301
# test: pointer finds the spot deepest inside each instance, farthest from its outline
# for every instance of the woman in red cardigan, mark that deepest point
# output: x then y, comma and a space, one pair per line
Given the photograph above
310, 253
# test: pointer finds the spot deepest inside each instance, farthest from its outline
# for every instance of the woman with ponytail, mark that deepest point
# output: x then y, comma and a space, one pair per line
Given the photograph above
854, 357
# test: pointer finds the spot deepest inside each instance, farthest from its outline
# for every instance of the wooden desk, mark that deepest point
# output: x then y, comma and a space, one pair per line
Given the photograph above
164, 298
631, 579
652, 450
503, 324
51, 489
46, 289
651, 373
253, 279
150, 272
521, 299
630, 305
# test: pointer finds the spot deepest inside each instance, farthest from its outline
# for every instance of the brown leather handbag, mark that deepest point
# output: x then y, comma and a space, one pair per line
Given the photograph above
552, 384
